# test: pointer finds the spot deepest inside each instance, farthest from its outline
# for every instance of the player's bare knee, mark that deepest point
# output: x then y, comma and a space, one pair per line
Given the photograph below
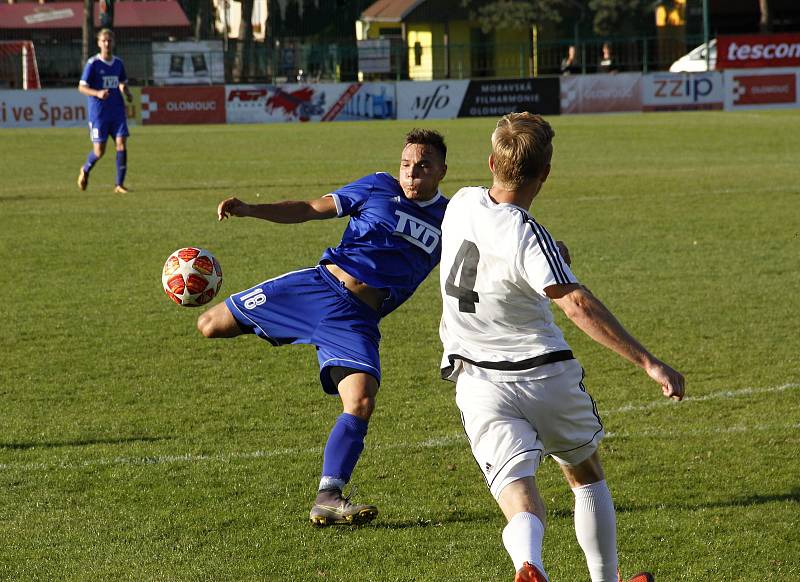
586, 472
362, 408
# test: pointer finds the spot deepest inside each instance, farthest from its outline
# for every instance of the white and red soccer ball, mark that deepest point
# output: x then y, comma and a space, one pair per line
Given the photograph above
191, 277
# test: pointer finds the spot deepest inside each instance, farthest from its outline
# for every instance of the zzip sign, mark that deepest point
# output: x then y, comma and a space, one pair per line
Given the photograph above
682, 92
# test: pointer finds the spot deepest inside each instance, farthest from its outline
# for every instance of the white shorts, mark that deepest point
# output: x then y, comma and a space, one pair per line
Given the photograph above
512, 425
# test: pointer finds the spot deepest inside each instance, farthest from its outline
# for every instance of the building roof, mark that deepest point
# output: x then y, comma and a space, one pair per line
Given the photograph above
61, 15
390, 10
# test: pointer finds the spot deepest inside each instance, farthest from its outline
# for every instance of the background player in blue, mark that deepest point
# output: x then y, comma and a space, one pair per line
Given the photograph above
104, 81
391, 243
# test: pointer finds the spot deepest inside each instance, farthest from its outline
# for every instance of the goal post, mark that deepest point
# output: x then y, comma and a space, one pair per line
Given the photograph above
18, 66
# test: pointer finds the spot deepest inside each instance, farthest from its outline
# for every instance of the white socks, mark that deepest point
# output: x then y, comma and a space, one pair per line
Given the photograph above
522, 538
596, 530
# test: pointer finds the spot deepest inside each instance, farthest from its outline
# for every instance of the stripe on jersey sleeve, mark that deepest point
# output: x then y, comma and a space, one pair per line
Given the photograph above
549, 250
337, 202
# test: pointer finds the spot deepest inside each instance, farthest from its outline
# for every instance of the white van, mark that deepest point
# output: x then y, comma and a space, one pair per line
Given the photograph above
695, 60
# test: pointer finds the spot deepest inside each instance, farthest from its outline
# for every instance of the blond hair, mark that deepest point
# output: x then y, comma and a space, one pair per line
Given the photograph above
521, 148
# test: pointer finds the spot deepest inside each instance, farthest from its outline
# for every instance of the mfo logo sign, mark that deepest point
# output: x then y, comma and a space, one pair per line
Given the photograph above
423, 104
430, 100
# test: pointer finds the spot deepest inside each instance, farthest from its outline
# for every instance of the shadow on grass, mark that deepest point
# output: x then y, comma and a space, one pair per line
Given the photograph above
80, 443
741, 501
258, 187
421, 522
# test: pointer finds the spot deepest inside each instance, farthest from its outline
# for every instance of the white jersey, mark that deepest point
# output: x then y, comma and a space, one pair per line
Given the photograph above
496, 262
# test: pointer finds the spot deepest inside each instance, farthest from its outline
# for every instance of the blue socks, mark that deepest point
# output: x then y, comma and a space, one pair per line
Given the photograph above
342, 450
91, 160
122, 166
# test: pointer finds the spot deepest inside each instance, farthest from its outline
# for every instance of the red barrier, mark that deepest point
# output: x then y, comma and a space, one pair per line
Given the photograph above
183, 105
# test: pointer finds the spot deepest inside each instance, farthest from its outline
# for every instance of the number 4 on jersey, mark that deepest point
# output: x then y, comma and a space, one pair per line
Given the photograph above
467, 262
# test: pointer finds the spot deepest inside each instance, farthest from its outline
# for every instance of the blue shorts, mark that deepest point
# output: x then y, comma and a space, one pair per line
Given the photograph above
101, 129
312, 306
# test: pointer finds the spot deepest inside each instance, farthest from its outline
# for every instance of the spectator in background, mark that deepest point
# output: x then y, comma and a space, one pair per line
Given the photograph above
607, 63
569, 64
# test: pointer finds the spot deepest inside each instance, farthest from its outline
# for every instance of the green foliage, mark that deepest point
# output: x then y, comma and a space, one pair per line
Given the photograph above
611, 15
513, 14
133, 449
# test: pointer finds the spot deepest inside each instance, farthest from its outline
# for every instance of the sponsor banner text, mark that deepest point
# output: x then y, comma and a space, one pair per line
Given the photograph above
758, 51
183, 105
601, 93
430, 99
762, 88
682, 91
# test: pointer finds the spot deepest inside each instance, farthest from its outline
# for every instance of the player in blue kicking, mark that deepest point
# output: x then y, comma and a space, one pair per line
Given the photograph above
104, 81
390, 244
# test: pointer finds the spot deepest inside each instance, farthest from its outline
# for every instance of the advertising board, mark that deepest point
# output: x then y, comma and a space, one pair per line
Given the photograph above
758, 51
374, 56
51, 108
601, 93
762, 88
42, 108
317, 102
498, 97
183, 105
188, 63
430, 99
682, 91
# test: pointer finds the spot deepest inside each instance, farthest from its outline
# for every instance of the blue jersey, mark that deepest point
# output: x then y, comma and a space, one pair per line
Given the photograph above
99, 74
391, 242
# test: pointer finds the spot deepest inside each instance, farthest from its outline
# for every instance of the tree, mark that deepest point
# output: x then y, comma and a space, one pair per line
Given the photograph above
611, 15
513, 14
765, 19
88, 41
245, 44
292, 22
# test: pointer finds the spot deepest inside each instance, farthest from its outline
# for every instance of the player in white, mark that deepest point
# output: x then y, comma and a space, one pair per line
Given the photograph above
518, 387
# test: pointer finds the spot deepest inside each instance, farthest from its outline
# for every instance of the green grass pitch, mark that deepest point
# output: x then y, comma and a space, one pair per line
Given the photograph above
133, 449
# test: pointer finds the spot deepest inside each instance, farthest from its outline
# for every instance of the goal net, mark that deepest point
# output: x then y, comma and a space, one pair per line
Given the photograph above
18, 67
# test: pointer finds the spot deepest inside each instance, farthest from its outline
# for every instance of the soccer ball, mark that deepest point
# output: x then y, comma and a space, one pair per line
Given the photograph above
191, 277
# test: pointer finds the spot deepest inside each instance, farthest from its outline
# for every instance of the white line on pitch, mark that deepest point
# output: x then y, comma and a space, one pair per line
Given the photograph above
725, 394
435, 442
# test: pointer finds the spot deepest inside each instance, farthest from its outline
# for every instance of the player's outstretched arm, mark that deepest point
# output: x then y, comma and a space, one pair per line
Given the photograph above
596, 321
287, 212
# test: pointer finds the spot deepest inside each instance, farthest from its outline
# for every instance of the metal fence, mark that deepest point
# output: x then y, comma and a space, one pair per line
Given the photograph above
59, 60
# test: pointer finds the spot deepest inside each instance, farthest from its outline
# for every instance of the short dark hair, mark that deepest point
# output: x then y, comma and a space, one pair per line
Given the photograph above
428, 137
